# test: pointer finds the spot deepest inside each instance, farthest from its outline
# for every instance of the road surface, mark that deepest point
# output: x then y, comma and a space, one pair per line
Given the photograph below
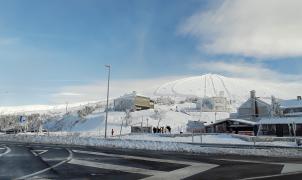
37, 161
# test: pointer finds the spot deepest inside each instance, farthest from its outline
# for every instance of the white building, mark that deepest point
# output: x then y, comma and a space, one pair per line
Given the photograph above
213, 104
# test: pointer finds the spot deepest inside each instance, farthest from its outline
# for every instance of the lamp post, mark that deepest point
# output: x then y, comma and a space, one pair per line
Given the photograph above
108, 67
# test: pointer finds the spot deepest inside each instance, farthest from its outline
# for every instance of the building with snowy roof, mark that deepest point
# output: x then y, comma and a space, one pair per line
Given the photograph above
254, 108
133, 102
291, 107
281, 126
287, 123
232, 125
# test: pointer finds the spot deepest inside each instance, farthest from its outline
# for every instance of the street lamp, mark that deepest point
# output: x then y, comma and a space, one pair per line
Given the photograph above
108, 67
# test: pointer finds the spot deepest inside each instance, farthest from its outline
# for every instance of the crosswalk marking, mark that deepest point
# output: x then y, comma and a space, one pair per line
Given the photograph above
136, 157
113, 167
192, 168
183, 172
291, 167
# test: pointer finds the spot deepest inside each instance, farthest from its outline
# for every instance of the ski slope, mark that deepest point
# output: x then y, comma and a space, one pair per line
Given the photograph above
235, 89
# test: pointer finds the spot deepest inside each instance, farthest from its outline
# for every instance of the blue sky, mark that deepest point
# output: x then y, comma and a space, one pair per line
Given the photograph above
46, 46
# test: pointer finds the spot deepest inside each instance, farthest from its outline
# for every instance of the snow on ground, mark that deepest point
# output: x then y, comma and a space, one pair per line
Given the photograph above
205, 138
146, 145
213, 139
95, 123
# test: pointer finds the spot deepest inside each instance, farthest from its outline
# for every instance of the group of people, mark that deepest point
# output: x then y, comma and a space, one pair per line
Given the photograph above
162, 130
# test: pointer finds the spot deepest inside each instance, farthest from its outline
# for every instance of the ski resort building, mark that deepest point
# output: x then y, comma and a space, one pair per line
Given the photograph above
133, 102
254, 108
288, 121
235, 126
292, 107
281, 126
213, 104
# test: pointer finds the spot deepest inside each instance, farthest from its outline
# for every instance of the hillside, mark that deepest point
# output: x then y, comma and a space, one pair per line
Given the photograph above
235, 89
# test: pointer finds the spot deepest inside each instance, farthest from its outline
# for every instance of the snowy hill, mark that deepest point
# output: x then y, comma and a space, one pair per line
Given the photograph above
93, 124
31, 109
236, 89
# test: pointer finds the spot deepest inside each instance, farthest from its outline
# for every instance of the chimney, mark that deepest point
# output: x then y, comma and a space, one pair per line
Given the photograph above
299, 98
253, 105
253, 94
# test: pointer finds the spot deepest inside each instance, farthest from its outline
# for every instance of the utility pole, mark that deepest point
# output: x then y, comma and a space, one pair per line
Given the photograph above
108, 67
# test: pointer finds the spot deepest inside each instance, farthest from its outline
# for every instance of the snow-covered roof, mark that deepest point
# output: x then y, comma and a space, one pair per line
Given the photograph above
236, 120
291, 103
280, 120
131, 95
243, 121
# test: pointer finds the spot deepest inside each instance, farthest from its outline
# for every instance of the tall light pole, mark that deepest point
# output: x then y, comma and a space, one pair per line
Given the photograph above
108, 67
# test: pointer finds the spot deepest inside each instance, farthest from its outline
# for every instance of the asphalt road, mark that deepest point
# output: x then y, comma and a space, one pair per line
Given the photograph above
37, 161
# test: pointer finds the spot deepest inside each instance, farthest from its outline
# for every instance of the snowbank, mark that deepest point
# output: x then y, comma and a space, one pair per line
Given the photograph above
146, 145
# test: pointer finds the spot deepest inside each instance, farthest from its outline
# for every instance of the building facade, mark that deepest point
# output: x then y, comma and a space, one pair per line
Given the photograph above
254, 108
133, 102
213, 104
292, 107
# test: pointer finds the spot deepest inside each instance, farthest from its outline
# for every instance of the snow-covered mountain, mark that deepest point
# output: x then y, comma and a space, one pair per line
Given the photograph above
236, 89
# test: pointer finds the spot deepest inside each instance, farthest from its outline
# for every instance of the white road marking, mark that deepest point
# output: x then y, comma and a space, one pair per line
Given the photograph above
291, 167
114, 167
49, 168
8, 150
192, 168
183, 173
38, 152
136, 157
250, 161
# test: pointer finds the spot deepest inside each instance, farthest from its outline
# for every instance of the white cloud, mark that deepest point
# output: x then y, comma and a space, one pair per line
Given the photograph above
246, 70
256, 28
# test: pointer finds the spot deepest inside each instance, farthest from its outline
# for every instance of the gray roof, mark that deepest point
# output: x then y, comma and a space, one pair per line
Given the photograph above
291, 103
